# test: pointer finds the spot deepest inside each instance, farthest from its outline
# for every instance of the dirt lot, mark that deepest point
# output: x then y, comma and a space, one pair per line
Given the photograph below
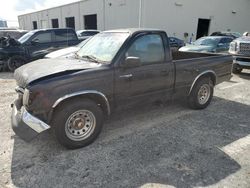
163, 145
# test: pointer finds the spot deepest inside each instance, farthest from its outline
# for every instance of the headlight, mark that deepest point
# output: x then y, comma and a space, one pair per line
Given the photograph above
26, 96
234, 47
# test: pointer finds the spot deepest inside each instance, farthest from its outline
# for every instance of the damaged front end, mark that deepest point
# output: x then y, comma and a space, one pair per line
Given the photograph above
24, 124
31, 111
7, 45
8, 41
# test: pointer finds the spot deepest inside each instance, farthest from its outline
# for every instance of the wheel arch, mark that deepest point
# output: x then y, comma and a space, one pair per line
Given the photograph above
96, 96
209, 73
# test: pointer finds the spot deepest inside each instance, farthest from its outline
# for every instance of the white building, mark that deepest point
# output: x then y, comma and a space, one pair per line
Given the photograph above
193, 17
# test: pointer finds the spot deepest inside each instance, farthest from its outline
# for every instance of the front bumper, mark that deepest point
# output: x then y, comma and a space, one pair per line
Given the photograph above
25, 125
243, 64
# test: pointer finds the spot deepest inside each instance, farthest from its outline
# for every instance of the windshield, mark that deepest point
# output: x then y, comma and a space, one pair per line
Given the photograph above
79, 32
207, 42
103, 47
81, 44
25, 37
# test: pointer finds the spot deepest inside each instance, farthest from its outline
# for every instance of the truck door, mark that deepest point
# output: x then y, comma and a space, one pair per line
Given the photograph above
40, 45
152, 78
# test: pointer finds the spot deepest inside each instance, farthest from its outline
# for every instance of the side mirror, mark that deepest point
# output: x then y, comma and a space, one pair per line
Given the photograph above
132, 62
35, 42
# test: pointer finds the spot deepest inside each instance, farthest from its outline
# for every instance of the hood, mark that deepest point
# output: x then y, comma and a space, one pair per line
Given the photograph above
48, 67
62, 52
197, 48
243, 39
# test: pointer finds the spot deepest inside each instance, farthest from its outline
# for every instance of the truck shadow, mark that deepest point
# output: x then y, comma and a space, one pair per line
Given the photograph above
245, 75
167, 144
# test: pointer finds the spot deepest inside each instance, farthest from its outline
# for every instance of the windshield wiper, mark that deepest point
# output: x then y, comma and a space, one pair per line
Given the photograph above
76, 55
91, 58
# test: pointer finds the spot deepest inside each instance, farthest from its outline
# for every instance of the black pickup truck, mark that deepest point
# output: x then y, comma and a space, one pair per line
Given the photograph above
34, 45
114, 69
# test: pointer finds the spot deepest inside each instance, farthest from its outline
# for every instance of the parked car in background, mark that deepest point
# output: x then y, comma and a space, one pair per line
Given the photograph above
34, 45
115, 69
212, 44
240, 49
176, 43
227, 34
66, 52
84, 34
16, 34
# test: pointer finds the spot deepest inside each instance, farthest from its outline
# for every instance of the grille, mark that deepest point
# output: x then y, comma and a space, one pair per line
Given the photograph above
245, 48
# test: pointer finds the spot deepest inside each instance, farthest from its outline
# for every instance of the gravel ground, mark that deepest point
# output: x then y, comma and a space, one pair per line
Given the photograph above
161, 145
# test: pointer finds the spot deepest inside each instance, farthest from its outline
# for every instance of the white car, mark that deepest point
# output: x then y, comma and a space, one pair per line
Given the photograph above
84, 34
66, 51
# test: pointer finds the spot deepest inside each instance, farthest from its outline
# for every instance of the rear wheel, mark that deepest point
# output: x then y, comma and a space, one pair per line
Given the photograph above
15, 62
78, 123
202, 94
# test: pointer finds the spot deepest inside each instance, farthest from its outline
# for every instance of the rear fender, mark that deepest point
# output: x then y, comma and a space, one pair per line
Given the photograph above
209, 73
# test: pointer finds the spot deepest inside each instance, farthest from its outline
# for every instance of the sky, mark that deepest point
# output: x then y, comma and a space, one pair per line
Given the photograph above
12, 8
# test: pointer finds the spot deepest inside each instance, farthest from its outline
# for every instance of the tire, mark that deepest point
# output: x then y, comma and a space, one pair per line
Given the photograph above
15, 62
74, 131
201, 94
236, 69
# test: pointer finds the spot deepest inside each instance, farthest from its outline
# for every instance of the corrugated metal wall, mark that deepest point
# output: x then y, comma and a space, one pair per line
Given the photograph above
174, 16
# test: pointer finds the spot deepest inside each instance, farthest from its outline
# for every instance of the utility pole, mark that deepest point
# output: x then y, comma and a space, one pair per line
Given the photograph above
140, 13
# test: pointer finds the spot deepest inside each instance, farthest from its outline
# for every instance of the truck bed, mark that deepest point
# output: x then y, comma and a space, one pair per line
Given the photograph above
189, 65
190, 55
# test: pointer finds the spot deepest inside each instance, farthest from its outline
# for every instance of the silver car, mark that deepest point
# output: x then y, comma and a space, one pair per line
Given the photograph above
212, 44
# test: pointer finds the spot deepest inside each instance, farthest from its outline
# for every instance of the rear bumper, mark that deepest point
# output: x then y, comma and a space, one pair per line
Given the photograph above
25, 125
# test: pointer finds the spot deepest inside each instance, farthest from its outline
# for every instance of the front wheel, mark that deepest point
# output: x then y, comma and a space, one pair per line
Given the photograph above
202, 94
77, 123
15, 62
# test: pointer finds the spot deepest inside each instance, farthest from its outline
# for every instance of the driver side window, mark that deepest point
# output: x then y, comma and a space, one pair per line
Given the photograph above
43, 37
148, 48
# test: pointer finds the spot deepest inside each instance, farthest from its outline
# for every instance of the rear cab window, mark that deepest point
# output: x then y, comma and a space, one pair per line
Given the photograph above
64, 35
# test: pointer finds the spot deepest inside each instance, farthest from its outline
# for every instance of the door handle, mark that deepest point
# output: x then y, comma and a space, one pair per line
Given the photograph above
126, 76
